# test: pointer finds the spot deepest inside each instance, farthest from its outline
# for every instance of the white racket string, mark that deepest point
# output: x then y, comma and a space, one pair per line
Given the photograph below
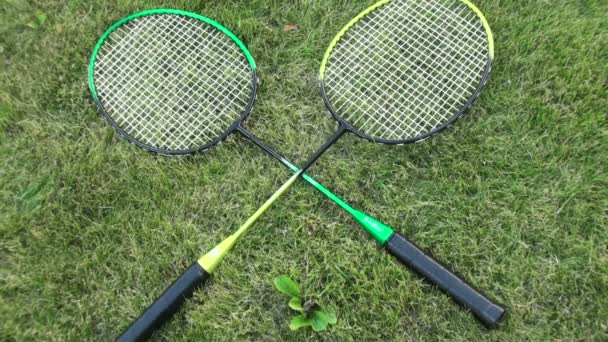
407, 67
172, 82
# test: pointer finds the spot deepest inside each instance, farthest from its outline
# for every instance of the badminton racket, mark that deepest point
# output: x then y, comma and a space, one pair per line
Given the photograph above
132, 47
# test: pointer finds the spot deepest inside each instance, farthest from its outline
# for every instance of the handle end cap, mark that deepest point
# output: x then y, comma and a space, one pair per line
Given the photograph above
492, 316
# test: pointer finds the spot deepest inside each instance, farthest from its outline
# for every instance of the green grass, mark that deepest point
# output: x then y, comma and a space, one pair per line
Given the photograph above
514, 197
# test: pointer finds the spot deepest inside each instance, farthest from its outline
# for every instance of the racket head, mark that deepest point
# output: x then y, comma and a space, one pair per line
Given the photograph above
404, 70
171, 81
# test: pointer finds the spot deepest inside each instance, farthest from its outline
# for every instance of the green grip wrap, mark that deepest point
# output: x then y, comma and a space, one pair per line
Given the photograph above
378, 230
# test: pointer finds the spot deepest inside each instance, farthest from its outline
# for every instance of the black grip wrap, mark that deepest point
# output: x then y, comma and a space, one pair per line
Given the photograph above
464, 294
166, 304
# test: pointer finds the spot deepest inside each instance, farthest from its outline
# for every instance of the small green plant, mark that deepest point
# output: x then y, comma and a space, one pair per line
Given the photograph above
38, 21
311, 314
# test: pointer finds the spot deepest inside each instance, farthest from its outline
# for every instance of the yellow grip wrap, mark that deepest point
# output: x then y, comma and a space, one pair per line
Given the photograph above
213, 258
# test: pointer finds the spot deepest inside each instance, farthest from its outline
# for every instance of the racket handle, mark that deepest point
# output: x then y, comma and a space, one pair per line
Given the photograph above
167, 304
408, 253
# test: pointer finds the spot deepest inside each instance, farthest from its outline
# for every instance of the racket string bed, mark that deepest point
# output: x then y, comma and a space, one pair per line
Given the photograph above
400, 50
143, 66
391, 82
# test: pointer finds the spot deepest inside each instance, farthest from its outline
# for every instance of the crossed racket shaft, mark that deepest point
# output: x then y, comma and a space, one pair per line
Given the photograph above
404, 250
175, 82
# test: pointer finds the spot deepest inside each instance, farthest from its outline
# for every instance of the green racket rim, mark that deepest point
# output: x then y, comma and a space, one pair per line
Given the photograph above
375, 6
157, 11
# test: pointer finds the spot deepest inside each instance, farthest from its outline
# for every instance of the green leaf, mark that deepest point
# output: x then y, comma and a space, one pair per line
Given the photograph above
296, 304
287, 286
32, 25
319, 321
300, 321
330, 316
41, 18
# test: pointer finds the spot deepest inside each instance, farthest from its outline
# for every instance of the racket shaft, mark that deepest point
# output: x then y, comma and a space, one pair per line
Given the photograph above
167, 304
378, 230
485, 310
193, 278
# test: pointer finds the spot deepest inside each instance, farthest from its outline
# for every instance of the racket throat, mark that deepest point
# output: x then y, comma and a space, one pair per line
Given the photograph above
339, 133
266, 148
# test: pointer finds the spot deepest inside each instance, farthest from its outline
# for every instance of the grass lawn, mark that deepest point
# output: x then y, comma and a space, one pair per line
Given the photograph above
514, 197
